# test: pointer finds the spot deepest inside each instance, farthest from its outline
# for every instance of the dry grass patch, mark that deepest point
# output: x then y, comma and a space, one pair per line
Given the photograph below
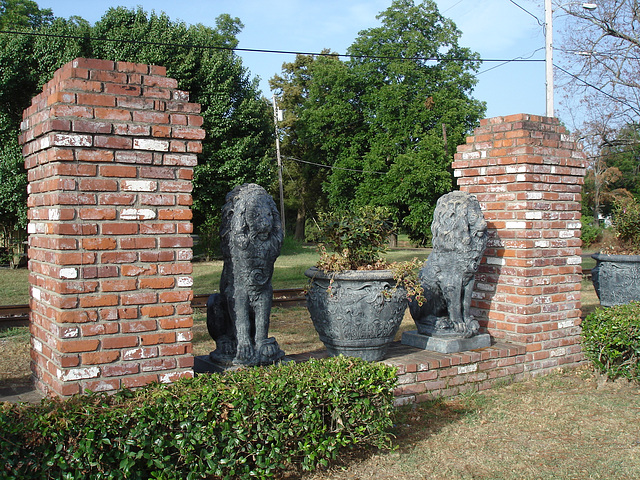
560, 426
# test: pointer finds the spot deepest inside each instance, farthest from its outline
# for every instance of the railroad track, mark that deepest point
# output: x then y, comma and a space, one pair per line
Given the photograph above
18, 315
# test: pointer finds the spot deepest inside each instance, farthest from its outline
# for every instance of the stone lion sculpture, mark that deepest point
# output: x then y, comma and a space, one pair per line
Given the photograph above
459, 235
238, 317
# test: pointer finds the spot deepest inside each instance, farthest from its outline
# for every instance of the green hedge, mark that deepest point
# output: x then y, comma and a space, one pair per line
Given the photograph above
611, 340
250, 423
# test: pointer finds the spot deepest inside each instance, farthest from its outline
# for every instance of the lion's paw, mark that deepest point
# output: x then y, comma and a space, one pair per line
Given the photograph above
244, 354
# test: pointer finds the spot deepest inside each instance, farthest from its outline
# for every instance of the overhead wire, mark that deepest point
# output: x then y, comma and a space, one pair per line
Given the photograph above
258, 50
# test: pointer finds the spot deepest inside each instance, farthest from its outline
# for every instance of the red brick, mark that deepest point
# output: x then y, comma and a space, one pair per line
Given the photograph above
175, 322
158, 338
128, 243
74, 346
119, 285
86, 155
98, 185
98, 301
157, 283
142, 298
119, 342
93, 329
119, 143
98, 213
99, 243
116, 199
154, 311
96, 358
101, 385
120, 370
118, 257
139, 381
120, 171
136, 270
119, 228
158, 364
128, 313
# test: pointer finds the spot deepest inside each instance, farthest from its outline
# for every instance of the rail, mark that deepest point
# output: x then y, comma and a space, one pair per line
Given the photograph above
18, 315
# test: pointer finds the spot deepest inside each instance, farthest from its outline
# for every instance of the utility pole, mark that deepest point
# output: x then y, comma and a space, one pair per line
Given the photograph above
548, 37
275, 122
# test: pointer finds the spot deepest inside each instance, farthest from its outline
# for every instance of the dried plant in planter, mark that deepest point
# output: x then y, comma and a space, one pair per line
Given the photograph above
626, 226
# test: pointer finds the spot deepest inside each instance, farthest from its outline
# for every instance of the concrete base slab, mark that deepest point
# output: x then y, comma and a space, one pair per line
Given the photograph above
445, 345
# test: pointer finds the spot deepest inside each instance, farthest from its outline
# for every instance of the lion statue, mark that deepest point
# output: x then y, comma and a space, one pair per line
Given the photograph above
459, 235
238, 317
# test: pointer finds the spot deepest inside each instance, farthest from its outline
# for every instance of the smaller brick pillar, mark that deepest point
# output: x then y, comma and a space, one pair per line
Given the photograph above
527, 174
110, 149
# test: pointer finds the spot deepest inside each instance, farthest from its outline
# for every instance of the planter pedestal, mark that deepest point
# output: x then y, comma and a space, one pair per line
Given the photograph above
446, 345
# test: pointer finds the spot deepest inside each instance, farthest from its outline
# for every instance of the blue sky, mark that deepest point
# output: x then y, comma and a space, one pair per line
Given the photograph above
497, 29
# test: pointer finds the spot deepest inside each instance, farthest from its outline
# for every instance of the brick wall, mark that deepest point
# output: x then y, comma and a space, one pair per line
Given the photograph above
527, 174
110, 149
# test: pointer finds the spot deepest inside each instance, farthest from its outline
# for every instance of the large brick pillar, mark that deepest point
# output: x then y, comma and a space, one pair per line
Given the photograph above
110, 149
527, 174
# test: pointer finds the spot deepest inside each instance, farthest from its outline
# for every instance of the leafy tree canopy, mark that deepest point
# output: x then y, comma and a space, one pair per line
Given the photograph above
237, 120
379, 117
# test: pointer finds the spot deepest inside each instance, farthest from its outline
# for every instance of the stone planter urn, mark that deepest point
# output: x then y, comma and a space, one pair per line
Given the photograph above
616, 278
356, 312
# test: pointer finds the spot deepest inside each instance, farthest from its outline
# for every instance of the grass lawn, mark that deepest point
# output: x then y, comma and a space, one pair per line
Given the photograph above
568, 425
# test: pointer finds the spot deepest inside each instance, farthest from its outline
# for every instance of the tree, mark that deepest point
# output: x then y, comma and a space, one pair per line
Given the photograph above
379, 116
601, 57
238, 122
301, 155
19, 14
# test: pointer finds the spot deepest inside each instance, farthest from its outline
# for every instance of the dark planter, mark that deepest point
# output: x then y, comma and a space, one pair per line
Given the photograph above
616, 278
352, 314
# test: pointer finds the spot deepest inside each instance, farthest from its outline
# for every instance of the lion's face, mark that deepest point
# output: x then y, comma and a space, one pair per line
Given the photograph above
259, 218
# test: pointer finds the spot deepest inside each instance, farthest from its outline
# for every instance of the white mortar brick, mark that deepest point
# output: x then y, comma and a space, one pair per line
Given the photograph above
566, 234
137, 214
515, 225
185, 281
78, 373
64, 140
54, 214
467, 368
565, 324
574, 261
138, 186
69, 273
149, 144
534, 195
496, 261
533, 215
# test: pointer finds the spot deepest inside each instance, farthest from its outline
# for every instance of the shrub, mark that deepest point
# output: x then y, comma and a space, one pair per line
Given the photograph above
611, 340
358, 238
626, 225
246, 424
590, 232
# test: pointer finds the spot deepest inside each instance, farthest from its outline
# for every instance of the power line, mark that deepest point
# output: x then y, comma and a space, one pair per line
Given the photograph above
259, 50
528, 12
619, 100
333, 167
512, 60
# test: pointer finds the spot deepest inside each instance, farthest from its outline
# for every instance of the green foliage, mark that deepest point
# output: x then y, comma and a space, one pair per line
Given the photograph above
18, 14
378, 118
626, 222
611, 340
247, 424
590, 232
358, 239
237, 121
